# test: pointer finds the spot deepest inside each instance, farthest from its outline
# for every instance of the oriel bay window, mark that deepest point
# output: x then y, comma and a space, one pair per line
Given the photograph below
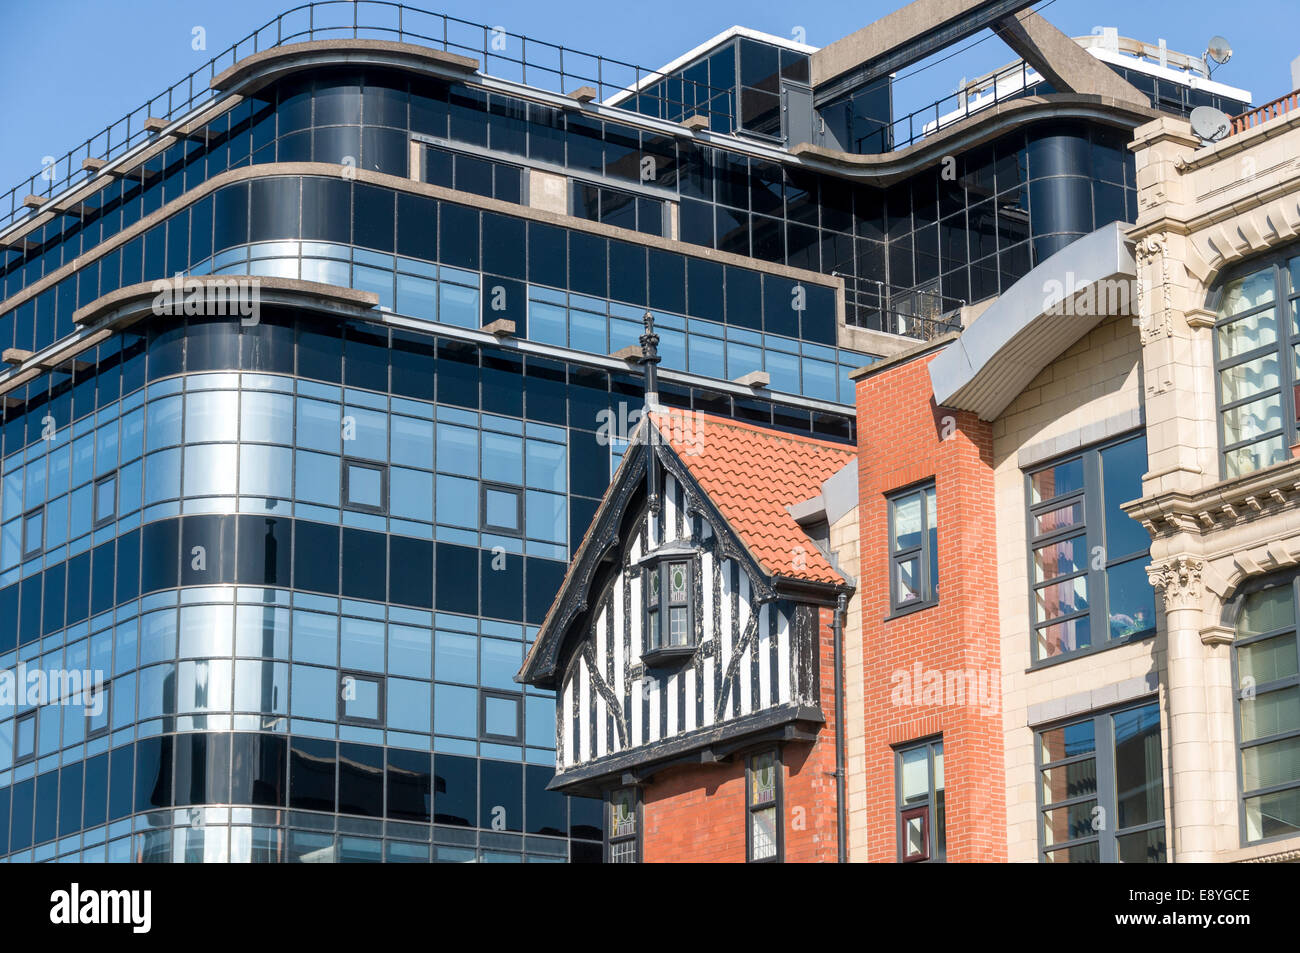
1087, 556
669, 608
763, 807
1256, 350
1268, 711
914, 549
1101, 789
922, 820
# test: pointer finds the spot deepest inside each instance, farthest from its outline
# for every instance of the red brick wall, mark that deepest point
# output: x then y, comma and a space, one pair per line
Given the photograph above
901, 441
697, 814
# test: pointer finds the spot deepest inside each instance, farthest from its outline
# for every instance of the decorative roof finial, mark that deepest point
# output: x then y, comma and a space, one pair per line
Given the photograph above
650, 358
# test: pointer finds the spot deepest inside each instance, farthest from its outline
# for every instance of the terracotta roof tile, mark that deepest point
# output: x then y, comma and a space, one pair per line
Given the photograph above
752, 474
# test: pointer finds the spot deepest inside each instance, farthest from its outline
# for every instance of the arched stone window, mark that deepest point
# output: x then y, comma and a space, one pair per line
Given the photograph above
1266, 695
1256, 343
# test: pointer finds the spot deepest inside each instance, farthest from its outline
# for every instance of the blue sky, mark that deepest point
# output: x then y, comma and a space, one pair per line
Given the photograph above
74, 66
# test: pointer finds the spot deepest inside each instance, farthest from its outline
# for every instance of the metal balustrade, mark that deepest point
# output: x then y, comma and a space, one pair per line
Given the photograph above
501, 54
916, 125
912, 312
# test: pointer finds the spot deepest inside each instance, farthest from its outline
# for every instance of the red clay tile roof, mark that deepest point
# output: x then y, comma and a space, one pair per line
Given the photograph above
752, 474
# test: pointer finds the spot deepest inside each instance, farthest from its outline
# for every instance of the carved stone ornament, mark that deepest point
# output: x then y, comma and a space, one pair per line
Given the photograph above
1178, 580
1153, 326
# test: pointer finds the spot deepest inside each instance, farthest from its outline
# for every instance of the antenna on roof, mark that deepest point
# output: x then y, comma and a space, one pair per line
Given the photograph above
1209, 124
1218, 50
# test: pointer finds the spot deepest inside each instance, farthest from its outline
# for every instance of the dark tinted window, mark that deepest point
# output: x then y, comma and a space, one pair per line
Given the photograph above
455, 791
312, 767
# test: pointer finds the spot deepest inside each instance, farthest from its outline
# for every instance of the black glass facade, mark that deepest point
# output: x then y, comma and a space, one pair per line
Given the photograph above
965, 234
737, 86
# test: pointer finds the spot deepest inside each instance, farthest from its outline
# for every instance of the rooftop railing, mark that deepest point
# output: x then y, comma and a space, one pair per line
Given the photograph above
501, 54
1262, 114
916, 125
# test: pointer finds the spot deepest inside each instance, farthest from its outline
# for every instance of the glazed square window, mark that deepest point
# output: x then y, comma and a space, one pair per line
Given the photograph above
365, 487
913, 549
105, 499
501, 509
500, 716
34, 531
361, 698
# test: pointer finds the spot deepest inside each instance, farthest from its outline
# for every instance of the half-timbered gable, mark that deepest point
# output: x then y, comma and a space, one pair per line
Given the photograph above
688, 625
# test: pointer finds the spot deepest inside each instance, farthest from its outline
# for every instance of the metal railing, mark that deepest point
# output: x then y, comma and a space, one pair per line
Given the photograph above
916, 125
502, 54
1262, 114
913, 312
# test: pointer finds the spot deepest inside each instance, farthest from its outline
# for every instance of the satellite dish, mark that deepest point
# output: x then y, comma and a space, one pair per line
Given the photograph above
1209, 124
1219, 50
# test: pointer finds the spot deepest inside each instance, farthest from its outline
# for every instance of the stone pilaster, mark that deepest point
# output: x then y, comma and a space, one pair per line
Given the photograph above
1178, 580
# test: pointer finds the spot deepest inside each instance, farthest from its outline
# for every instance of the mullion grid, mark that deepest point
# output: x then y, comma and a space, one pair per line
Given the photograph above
182, 444
1106, 834
1066, 803
1092, 498
1284, 306
1105, 795
1241, 694
1081, 531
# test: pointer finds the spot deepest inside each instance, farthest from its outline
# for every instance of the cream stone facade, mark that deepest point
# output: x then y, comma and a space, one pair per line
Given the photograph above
844, 534
1140, 357
1204, 210
1091, 393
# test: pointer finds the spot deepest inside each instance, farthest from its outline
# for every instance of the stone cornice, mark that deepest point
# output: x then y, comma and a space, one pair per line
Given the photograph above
1169, 219
1239, 142
1266, 492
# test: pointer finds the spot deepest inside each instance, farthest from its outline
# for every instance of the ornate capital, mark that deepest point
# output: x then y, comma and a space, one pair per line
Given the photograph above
1149, 247
1178, 580
1152, 316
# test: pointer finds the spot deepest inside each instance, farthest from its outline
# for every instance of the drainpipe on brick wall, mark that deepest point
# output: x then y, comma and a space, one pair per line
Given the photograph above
837, 628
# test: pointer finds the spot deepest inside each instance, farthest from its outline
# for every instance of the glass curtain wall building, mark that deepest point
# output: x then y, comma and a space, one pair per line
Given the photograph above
308, 551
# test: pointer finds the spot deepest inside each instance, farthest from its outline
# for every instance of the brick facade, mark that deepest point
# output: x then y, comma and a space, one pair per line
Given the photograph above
903, 439
697, 814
